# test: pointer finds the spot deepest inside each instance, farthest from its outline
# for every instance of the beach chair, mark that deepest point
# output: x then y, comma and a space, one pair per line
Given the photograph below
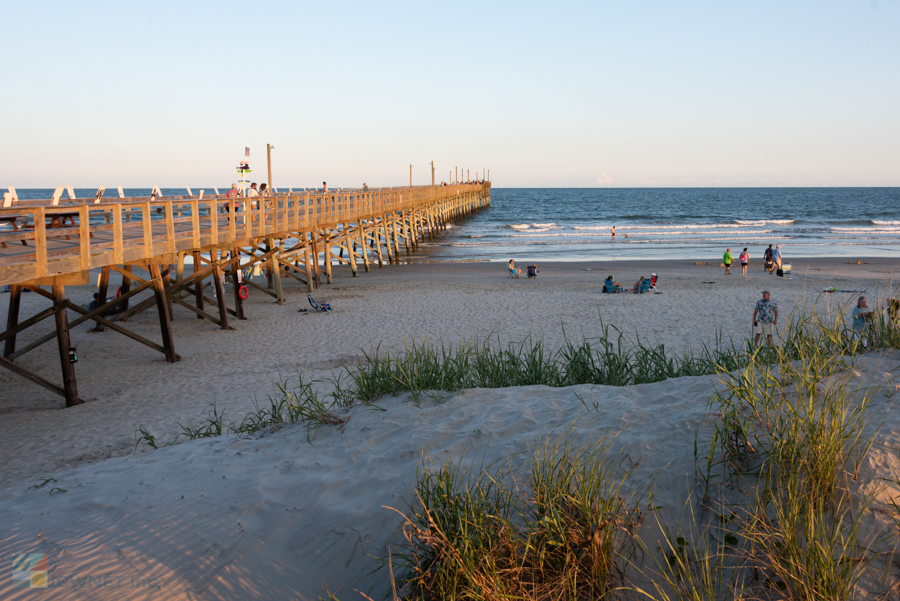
654, 283
611, 288
512, 273
532, 271
645, 286
324, 307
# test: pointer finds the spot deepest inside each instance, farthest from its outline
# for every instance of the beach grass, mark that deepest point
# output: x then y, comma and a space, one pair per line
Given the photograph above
558, 524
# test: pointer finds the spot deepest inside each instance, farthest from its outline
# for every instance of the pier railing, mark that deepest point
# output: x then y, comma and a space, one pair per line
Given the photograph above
40, 238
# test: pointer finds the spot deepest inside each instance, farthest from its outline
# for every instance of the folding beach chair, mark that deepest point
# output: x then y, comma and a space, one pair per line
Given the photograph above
645, 286
654, 286
324, 307
512, 273
611, 287
532, 271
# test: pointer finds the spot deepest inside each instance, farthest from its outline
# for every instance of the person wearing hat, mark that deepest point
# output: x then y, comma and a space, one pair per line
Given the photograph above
765, 318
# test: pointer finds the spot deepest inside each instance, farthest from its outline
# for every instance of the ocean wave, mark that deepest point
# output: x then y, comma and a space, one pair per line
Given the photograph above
533, 227
765, 221
877, 222
631, 233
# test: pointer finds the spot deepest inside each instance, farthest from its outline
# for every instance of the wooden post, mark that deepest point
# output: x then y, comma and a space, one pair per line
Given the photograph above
351, 256
309, 269
396, 241
62, 337
179, 270
167, 281
220, 295
165, 322
315, 258
12, 318
236, 269
362, 240
403, 218
387, 239
126, 287
275, 268
198, 286
327, 259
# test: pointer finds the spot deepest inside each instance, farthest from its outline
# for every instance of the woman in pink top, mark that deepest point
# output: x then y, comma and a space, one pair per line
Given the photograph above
744, 258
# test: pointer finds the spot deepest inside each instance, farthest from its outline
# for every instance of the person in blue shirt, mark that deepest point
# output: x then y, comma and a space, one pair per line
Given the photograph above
776, 258
861, 319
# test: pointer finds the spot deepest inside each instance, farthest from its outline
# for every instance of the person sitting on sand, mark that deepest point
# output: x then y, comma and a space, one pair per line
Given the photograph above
610, 282
765, 318
638, 284
862, 317
513, 269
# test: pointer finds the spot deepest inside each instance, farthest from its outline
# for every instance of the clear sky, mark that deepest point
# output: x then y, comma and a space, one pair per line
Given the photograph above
630, 93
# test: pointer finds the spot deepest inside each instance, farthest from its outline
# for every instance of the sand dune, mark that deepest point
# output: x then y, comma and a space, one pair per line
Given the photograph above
274, 516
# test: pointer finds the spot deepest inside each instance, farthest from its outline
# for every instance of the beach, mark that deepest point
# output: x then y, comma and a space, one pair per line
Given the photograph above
275, 496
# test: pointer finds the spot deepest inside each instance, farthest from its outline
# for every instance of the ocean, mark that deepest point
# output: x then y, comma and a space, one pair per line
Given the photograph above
573, 224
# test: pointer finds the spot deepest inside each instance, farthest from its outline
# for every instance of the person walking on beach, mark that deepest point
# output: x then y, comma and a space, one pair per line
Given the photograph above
744, 258
767, 259
726, 259
765, 318
776, 258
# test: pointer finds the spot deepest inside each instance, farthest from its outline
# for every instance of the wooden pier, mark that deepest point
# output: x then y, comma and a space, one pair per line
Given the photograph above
46, 245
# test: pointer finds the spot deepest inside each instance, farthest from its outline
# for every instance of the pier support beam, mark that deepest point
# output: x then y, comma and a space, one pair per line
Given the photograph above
198, 287
275, 271
327, 257
62, 337
236, 269
12, 319
162, 306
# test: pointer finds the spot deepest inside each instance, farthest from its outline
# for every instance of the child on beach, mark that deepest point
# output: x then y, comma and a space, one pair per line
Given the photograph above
861, 318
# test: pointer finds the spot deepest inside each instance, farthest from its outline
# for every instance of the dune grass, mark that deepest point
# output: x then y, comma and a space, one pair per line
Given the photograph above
558, 524
780, 516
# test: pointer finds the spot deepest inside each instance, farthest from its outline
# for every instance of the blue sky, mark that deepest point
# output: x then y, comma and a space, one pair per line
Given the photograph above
574, 94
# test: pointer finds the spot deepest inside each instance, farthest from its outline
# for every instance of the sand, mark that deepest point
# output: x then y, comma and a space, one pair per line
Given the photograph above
276, 516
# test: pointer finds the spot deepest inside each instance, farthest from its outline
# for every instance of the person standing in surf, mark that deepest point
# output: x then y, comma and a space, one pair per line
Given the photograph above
613, 232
